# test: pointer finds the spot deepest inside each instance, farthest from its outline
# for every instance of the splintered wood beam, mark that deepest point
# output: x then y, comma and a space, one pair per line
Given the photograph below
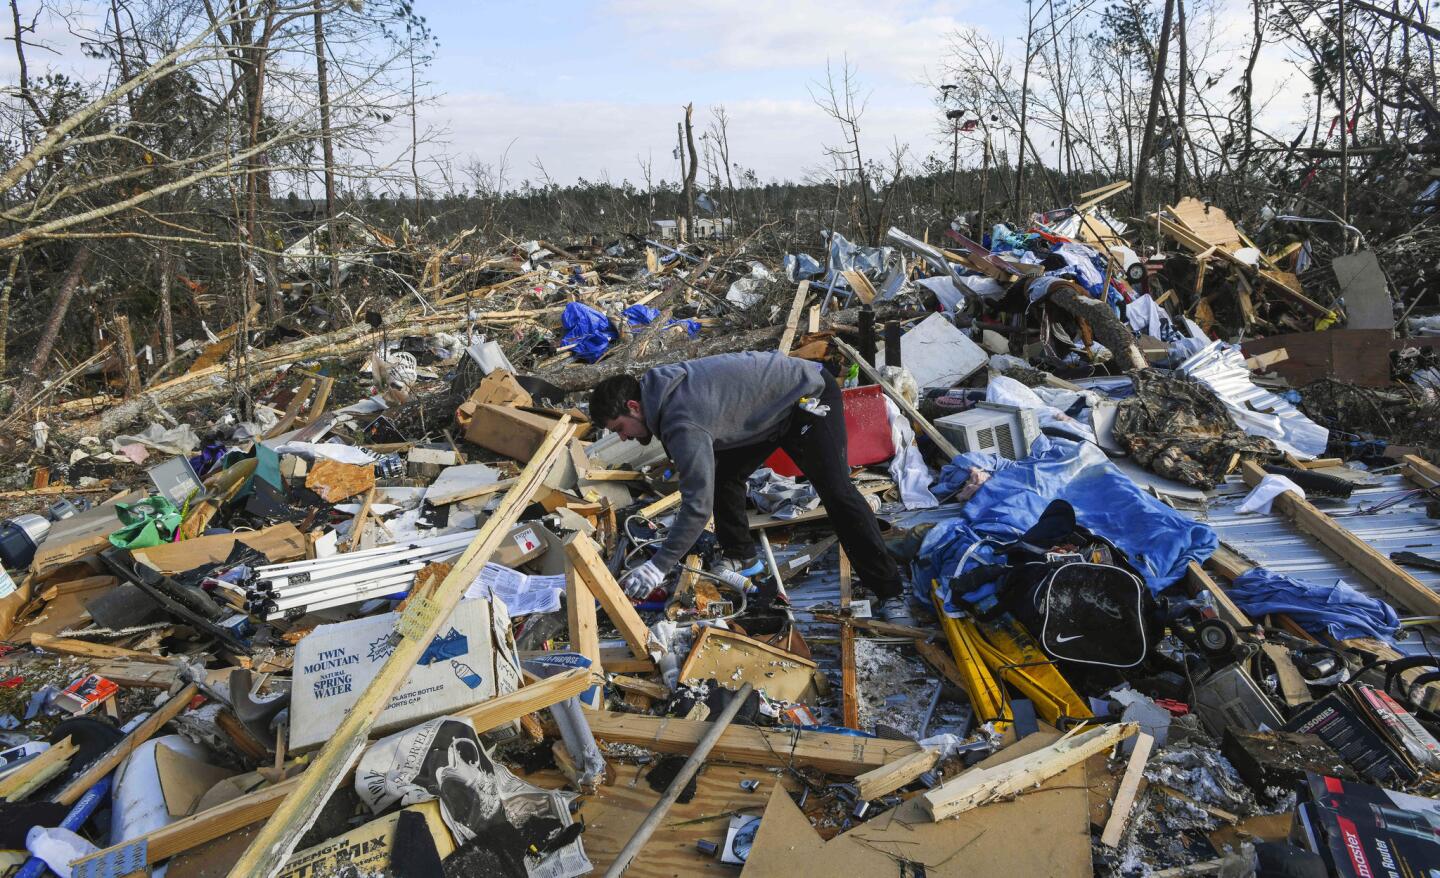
850, 697
581, 620
792, 323
417, 626
1129, 788
664, 504
832, 753
887, 779
585, 560
981, 785
1398, 585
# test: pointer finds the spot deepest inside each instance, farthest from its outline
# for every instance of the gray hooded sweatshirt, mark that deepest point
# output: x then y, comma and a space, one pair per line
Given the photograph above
727, 401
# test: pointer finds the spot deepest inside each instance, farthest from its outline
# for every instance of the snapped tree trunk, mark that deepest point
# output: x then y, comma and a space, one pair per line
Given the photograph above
51, 332
1108, 329
167, 312
690, 170
1157, 84
5, 307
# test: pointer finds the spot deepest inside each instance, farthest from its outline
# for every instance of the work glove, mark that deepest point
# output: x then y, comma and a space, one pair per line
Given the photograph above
638, 583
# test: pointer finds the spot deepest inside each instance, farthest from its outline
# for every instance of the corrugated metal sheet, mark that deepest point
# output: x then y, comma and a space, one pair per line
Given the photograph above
1274, 542
1258, 411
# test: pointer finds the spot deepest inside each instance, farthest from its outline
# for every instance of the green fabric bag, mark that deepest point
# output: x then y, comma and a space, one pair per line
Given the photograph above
149, 522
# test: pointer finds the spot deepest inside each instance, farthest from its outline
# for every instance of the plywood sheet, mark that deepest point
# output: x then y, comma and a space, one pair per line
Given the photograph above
734, 659
1358, 356
1044, 832
1211, 225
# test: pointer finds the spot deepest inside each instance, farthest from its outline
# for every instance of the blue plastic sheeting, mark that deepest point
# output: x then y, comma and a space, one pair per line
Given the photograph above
588, 329
1338, 609
800, 266
642, 315
1159, 541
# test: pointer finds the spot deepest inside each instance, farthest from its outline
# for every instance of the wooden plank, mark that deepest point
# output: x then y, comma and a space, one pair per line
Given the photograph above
887, 779
419, 624
1267, 359
978, 786
1225, 608
849, 697
117, 754
792, 323
664, 504
648, 688
1129, 787
86, 649
846, 755
1420, 471
858, 282
941, 660
292, 411
612, 814
471, 493
584, 556
210, 824
358, 526
582, 623
812, 323
33, 775
945, 445
1404, 589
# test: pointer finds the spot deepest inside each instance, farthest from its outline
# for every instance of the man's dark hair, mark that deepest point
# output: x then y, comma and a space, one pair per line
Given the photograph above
607, 400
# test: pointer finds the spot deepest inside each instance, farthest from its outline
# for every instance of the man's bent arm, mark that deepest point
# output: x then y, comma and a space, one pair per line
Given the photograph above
693, 452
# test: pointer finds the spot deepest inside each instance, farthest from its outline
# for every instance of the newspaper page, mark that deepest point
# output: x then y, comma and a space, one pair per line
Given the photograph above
514, 828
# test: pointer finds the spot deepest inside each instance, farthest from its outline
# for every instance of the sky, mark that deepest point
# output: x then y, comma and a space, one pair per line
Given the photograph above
594, 89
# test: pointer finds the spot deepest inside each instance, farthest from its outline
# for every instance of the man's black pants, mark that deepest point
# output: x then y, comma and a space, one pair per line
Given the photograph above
818, 447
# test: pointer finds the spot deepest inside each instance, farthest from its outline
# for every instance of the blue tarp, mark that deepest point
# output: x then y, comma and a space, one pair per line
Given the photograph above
588, 329
643, 315
1338, 609
1159, 541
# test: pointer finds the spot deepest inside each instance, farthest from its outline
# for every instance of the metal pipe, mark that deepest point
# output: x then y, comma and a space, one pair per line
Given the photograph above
677, 786
774, 568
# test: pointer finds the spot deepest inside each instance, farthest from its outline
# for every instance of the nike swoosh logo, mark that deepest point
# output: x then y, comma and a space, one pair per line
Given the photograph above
1059, 639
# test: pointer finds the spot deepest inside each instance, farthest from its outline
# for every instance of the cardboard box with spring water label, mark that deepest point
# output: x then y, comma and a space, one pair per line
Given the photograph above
471, 660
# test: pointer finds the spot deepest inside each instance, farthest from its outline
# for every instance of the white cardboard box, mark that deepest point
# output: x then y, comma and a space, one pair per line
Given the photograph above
472, 660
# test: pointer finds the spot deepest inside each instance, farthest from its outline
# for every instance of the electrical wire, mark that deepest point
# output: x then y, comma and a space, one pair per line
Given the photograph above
639, 544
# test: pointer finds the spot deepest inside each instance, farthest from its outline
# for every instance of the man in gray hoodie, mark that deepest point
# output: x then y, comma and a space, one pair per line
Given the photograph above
720, 418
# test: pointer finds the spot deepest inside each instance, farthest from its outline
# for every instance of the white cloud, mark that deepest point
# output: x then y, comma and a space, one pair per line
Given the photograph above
780, 139
897, 39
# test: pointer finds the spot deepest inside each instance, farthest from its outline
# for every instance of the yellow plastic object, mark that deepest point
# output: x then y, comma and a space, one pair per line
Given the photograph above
986, 697
1012, 653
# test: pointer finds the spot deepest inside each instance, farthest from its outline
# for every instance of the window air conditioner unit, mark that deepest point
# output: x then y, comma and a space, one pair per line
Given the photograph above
992, 428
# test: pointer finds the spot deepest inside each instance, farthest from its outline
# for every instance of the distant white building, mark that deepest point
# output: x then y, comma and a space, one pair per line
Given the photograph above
705, 227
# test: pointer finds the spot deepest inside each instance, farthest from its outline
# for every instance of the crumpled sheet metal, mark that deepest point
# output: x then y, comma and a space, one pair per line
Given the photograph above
1257, 411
